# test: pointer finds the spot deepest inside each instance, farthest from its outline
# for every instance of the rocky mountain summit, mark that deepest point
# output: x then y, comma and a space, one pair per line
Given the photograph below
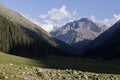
78, 33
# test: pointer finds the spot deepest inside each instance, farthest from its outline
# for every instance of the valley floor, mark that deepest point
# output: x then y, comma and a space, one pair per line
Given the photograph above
57, 68
23, 72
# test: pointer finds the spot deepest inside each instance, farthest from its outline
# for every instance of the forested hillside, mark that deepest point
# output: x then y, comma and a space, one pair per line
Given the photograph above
14, 39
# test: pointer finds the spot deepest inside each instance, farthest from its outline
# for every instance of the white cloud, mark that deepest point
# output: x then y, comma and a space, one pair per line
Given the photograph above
93, 18
56, 18
58, 14
48, 21
47, 25
43, 16
108, 22
117, 17
50, 25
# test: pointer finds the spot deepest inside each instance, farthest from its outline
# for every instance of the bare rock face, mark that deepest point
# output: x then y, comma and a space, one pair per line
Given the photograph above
78, 33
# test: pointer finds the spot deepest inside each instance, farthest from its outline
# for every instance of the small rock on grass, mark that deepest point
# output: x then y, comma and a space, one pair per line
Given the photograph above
5, 77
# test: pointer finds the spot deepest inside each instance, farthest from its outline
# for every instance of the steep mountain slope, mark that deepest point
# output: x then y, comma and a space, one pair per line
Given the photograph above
78, 33
21, 37
107, 44
15, 40
18, 19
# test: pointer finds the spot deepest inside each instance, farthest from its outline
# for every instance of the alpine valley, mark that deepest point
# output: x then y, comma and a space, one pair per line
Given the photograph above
80, 50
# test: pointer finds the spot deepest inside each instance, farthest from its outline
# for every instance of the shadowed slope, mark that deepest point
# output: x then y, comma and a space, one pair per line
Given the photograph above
109, 46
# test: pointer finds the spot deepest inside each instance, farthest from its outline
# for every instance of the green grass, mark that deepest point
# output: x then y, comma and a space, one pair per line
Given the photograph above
7, 59
98, 66
55, 63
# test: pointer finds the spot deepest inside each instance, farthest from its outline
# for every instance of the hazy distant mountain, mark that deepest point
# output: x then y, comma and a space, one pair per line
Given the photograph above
19, 36
78, 33
107, 44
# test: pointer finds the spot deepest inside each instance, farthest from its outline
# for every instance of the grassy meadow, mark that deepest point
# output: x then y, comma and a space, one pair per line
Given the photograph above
57, 68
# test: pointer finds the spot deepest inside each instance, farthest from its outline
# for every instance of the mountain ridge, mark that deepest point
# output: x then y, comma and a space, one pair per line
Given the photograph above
78, 31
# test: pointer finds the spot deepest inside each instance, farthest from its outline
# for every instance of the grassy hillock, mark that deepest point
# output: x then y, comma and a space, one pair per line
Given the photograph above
56, 67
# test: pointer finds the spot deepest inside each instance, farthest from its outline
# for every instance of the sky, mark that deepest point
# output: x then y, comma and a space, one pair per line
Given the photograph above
51, 14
